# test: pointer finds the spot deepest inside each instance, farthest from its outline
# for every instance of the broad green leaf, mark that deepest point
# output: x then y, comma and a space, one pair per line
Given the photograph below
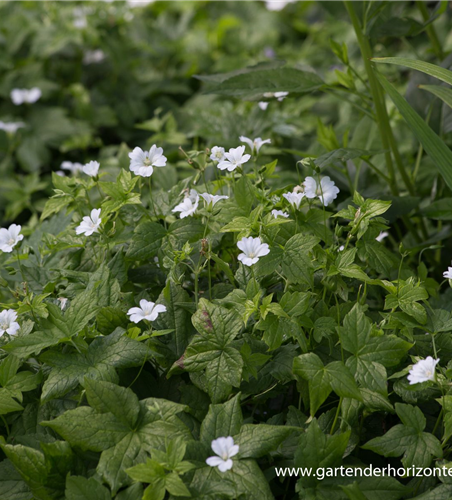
146, 241
222, 420
256, 441
82, 488
12, 486
407, 439
297, 263
254, 84
317, 449
433, 145
106, 397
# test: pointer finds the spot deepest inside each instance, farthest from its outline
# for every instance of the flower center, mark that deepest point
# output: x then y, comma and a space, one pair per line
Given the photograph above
251, 255
428, 373
11, 242
4, 326
147, 162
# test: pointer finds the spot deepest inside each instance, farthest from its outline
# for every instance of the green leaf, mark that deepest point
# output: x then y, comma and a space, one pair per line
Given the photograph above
406, 297
82, 488
429, 69
12, 486
222, 420
254, 84
444, 93
316, 449
343, 155
322, 379
433, 145
297, 263
407, 439
256, 441
107, 397
146, 241
104, 355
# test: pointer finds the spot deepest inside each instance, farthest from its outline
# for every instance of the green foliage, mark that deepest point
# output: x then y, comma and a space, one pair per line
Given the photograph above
298, 358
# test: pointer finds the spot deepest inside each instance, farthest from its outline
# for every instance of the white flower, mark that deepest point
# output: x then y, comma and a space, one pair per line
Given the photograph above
294, 198
11, 127
326, 191
448, 274
80, 20
423, 370
189, 205
72, 167
60, 173
212, 199
341, 248
63, 302
90, 224
147, 310
142, 161
233, 159
252, 249
19, 96
91, 168
382, 236
278, 95
277, 4
93, 56
10, 237
217, 154
255, 144
8, 322
139, 3
263, 105
280, 213
225, 448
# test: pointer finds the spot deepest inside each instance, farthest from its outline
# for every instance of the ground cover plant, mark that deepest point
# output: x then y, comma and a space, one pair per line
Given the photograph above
239, 269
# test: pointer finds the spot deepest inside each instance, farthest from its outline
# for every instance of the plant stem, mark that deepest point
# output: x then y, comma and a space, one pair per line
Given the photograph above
431, 32
387, 137
336, 416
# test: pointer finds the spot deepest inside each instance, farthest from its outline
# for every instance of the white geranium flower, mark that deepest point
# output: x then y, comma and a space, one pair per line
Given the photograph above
448, 274
91, 168
212, 199
277, 4
217, 154
93, 56
277, 95
423, 371
341, 248
263, 105
225, 449
20, 96
189, 205
326, 191
147, 310
90, 224
279, 213
382, 236
8, 322
254, 144
142, 162
11, 127
252, 249
294, 198
10, 237
63, 302
233, 159
72, 167
139, 3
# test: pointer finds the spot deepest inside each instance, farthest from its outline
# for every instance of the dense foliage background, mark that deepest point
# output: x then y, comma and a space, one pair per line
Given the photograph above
303, 357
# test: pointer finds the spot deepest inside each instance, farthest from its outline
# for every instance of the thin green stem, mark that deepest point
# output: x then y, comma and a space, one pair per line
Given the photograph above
431, 32
336, 416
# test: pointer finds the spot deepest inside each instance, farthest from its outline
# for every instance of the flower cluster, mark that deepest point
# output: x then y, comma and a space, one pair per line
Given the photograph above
28, 96
325, 190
